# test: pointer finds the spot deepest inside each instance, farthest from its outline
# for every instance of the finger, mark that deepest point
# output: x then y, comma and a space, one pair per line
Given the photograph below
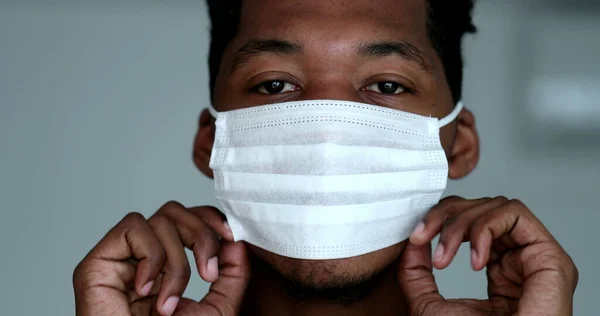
205, 254
513, 219
227, 293
132, 237
198, 236
176, 270
457, 231
537, 280
504, 281
415, 276
153, 294
550, 279
97, 284
434, 221
214, 219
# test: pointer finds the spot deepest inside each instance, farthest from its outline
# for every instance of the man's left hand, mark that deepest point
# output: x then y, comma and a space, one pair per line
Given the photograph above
528, 272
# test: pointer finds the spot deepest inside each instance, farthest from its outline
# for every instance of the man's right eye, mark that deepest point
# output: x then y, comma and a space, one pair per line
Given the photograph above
275, 87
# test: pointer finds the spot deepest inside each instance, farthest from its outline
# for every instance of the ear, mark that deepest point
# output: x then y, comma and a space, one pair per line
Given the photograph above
464, 155
203, 143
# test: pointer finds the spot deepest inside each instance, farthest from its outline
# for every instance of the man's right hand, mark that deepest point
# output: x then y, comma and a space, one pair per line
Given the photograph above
140, 266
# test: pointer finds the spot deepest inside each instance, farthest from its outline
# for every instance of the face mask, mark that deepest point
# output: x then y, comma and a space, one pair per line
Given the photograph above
327, 179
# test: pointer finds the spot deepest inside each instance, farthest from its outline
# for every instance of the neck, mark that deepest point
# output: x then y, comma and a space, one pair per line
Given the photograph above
268, 294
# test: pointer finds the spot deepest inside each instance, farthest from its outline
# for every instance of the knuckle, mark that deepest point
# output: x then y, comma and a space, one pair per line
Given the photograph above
209, 212
200, 229
565, 275
453, 198
572, 270
171, 206
134, 218
170, 209
501, 198
550, 258
157, 256
517, 204
575, 272
78, 274
431, 216
485, 224
207, 232
450, 202
86, 275
453, 227
206, 243
205, 238
159, 220
182, 271
476, 229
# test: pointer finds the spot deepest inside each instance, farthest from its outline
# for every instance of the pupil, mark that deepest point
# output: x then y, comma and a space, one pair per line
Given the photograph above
388, 87
274, 87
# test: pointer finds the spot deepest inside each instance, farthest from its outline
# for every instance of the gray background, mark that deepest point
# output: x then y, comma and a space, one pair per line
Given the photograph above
99, 105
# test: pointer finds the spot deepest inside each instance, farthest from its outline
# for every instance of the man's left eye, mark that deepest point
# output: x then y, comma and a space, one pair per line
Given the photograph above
386, 87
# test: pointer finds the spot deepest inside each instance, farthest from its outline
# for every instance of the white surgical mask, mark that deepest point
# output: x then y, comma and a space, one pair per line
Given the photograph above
327, 179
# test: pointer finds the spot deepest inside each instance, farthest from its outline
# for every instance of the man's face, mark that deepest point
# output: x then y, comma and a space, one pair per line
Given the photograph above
370, 51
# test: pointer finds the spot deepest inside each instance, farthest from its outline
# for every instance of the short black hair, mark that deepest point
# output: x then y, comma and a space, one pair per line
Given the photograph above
448, 21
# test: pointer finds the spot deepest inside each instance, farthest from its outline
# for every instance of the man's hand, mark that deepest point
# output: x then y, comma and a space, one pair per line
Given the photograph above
140, 266
528, 271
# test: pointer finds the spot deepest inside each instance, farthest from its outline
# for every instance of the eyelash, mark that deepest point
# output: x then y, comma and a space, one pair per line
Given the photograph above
402, 87
262, 85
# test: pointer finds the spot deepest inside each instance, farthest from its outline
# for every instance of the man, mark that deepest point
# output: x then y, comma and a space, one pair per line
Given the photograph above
397, 54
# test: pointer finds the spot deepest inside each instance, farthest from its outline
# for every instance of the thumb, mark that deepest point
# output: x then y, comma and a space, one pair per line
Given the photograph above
227, 293
415, 275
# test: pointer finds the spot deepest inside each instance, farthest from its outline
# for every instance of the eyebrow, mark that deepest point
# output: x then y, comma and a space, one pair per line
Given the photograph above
256, 47
401, 49
404, 50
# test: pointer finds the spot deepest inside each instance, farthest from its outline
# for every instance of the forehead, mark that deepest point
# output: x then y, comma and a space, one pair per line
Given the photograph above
335, 20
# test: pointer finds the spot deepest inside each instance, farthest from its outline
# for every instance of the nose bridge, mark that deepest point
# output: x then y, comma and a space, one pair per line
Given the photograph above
331, 90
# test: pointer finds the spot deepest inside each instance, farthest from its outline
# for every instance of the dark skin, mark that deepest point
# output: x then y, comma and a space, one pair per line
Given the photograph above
140, 267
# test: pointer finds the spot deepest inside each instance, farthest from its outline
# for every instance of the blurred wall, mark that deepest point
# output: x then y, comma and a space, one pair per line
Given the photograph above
99, 105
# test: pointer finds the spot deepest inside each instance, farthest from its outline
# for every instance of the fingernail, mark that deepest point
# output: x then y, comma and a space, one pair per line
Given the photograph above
474, 258
420, 229
212, 268
170, 305
227, 227
147, 288
439, 253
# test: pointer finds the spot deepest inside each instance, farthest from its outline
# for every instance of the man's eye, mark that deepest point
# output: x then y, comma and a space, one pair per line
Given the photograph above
275, 87
386, 87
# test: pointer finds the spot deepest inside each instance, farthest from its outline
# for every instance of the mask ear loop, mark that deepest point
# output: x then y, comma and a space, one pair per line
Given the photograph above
452, 116
212, 111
